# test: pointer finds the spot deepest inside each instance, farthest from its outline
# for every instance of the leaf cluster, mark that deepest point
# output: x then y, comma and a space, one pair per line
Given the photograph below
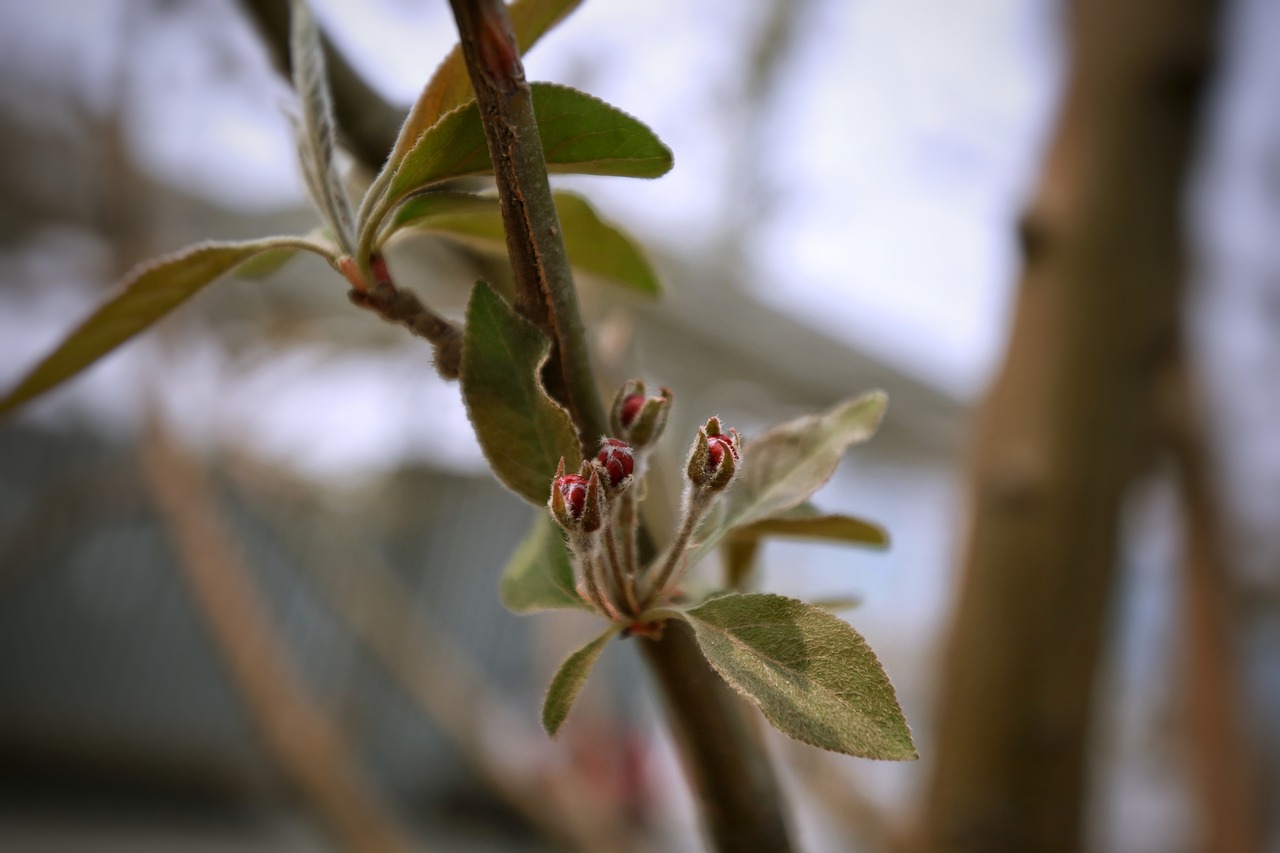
442, 140
810, 673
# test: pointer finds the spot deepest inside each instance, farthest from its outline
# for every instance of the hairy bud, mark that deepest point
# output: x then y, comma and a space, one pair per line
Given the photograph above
713, 459
617, 460
576, 500
637, 418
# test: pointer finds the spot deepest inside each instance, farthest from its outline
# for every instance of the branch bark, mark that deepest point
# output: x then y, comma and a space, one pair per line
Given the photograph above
720, 746
545, 293
1058, 436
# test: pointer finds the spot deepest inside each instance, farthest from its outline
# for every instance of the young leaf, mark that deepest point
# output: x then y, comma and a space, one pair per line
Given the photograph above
813, 676
147, 294
450, 86
594, 246
316, 138
569, 680
522, 431
791, 461
270, 262
580, 135
806, 521
539, 575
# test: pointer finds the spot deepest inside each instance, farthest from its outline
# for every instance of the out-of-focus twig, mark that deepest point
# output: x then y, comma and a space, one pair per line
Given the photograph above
1060, 435
306, 745
509, 755
1223, 771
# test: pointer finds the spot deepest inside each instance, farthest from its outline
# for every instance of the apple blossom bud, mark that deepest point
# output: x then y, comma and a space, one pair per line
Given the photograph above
713, 459
637, 418
618, 462
575, 501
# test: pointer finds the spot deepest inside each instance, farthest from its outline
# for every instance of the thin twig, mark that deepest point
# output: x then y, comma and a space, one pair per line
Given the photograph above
309, 749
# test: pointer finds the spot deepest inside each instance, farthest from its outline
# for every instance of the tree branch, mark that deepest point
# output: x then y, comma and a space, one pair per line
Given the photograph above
722, 751
545, 293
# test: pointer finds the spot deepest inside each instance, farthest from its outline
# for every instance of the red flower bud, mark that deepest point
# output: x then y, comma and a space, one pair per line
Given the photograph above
713, 459
716, 448
638, 418
574, 490
631, 406
617, 459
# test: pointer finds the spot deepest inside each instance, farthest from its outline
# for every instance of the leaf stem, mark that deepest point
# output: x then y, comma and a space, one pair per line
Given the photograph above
544, 285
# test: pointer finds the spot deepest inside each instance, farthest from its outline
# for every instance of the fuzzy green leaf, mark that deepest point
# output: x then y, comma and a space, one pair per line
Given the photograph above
316, 135
580, 135
594, 246
450, 86
147, 294
806, 521
539, 575
569, 679
813, 676
522, 431
788, 463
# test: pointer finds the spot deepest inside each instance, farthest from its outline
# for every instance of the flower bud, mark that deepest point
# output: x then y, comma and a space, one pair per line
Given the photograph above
617, 460
576, 500
713, 459
637, 418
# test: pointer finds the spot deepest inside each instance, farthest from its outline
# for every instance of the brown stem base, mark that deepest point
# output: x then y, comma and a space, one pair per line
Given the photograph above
719, 744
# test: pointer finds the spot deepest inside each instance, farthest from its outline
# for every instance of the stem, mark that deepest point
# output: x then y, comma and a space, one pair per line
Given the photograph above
723, 756
624, 590
544, 285
719, 745
695, 508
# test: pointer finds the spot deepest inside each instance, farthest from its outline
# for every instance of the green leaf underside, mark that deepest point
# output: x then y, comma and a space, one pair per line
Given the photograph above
580, 135
522, 431
813, 676
594, 246
146, 294
569, 679
316, 137
827, 527
539, 575
788, 463
450, 86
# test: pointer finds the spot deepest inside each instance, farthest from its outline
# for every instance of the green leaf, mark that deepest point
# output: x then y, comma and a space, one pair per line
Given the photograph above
316, 137
813, 676
806, 521
580, 135
790, 462
838, 603
569, 680
594, 246
450, 86
271, 261
522, 431
539, 575
147, 294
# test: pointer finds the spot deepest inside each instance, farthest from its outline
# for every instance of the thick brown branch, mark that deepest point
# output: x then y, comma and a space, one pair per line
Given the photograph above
1059, 436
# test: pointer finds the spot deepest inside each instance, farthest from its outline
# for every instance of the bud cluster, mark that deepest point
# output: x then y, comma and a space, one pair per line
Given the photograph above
596, 507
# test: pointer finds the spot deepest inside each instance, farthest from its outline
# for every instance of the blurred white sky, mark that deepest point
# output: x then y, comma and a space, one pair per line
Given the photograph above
895, 125
894, 153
